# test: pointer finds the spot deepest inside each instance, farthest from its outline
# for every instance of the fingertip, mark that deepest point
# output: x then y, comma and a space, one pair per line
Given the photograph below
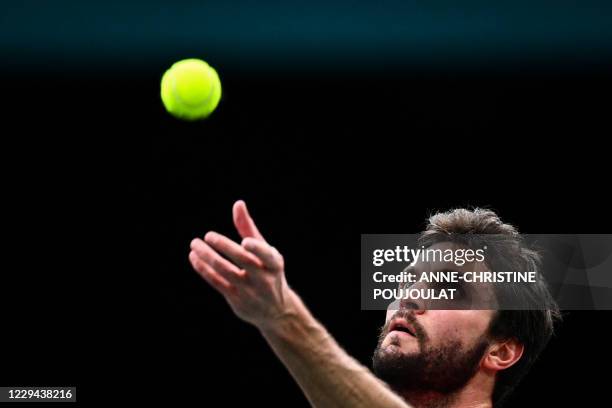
194, 260
210, 236
248, 244
194, 242
238, 206
238, 214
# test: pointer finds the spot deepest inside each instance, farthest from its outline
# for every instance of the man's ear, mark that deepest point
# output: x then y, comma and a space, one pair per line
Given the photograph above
502, 355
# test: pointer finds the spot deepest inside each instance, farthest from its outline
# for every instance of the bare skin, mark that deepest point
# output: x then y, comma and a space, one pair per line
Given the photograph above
251, 277
255, 287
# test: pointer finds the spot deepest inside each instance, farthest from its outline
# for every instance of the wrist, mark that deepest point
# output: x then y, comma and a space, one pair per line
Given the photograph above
291, 313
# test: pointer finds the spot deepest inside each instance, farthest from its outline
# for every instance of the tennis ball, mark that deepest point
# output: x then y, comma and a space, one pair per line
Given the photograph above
190, 89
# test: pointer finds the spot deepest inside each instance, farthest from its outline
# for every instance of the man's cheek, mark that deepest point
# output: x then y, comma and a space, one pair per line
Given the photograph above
444, 335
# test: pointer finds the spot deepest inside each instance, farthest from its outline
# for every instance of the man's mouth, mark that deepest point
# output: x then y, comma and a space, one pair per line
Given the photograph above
402, 325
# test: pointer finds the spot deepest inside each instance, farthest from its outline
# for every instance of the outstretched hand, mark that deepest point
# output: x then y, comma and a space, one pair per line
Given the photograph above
250, 275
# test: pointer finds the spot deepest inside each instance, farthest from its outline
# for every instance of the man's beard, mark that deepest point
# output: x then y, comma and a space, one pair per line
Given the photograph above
443, 369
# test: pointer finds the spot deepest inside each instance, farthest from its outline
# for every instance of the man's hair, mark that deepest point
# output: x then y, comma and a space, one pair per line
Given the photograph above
534, 325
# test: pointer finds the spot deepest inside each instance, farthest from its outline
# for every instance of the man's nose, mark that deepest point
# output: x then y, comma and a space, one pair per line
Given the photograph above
417, 305
406, 304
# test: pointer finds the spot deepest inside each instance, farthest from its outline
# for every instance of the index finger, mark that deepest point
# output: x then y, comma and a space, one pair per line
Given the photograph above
232, 250
270, 257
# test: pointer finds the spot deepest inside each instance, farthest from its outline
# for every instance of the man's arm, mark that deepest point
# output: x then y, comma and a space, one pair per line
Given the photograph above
326, 373
254, 285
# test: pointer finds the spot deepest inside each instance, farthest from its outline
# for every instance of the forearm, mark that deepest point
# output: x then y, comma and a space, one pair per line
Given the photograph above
326, 373
254, 285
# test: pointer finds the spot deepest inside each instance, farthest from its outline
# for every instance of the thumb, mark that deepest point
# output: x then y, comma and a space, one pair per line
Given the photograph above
244, 223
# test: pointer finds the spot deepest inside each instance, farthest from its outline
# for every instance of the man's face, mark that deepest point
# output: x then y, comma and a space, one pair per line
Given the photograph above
437, 350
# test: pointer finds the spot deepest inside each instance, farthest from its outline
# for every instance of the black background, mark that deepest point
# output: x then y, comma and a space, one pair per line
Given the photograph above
103, 192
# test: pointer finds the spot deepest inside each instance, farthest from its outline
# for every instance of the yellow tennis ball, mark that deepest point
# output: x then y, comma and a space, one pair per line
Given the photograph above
190, 89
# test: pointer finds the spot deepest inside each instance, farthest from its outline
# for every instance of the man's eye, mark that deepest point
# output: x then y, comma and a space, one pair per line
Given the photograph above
405, 285
459, 289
